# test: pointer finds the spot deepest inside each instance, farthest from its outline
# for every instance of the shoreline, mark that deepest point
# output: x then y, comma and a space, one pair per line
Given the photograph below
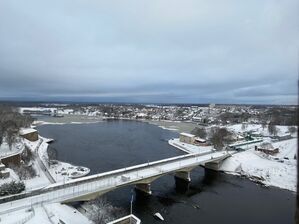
267, 171
176, 126
180, 126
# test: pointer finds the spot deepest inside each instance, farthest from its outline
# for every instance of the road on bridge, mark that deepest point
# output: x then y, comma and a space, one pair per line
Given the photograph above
104, 182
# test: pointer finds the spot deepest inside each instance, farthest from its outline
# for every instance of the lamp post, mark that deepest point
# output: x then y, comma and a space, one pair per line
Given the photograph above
132, 198
131, 208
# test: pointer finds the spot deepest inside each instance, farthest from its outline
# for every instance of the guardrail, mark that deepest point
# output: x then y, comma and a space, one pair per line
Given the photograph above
125, 170
88, 179
42, 163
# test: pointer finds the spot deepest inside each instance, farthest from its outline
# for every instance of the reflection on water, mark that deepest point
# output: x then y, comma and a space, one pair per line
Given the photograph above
181, 186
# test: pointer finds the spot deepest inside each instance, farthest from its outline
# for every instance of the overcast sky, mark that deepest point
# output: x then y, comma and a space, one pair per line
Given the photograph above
164, 51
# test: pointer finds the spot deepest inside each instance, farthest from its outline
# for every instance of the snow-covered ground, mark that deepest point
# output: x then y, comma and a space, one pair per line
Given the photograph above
59, 171
279, 170
64, 171
5, 150
40, 180
170, 128
237, 128
46, 122
58, 122
46, 214
188, 147
12, 177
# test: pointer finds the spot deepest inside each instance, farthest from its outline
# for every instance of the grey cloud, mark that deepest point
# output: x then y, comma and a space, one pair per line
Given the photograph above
191, 51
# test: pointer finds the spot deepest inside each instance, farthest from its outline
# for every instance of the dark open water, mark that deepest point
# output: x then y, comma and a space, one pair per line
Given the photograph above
211, 197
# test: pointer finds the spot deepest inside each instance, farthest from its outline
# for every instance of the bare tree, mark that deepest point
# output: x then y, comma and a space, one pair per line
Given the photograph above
220, 137
272, 129
100, 211
292, 129
10, 123
1, 135
264, 124
200, 132
244, 126
10, 137
23, 171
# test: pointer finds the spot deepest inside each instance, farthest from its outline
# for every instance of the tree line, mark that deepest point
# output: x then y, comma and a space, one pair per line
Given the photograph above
10, 123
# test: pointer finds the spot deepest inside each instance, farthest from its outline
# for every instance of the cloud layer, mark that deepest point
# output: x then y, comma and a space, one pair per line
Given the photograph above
155, 51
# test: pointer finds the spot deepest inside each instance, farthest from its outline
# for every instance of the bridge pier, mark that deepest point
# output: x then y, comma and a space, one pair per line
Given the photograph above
184, 175
213, 165
146, 188
181, 186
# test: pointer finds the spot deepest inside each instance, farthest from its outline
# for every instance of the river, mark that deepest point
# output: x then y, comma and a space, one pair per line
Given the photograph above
211, 197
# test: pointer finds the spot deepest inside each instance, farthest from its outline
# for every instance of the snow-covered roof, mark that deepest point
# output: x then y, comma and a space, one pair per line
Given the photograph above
25, 131
187, 135
200, 139
284, 135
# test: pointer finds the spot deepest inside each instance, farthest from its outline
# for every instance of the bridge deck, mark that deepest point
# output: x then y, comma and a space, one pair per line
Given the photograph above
104, 182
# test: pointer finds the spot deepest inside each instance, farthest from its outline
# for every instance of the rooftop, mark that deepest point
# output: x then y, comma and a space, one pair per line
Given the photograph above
25, 131
187, 134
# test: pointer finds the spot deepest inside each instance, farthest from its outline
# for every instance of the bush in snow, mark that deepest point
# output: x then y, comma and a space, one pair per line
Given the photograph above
100, 211
11, 188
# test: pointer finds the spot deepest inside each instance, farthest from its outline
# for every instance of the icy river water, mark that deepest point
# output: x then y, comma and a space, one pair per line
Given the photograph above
211, 197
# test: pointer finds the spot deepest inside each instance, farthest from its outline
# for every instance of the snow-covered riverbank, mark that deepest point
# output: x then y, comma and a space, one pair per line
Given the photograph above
59, 171
46, 171
279, 170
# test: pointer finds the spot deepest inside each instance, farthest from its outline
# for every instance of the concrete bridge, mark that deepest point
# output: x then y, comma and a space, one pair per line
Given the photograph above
90, 187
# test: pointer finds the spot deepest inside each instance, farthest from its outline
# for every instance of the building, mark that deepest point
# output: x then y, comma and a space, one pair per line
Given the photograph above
200, 140
212, 105
267, 148
29, 134
187, 138
284, 137
4, 173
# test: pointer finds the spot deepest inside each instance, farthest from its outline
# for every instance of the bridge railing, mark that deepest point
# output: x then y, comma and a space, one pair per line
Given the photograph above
123, 170
92, 178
